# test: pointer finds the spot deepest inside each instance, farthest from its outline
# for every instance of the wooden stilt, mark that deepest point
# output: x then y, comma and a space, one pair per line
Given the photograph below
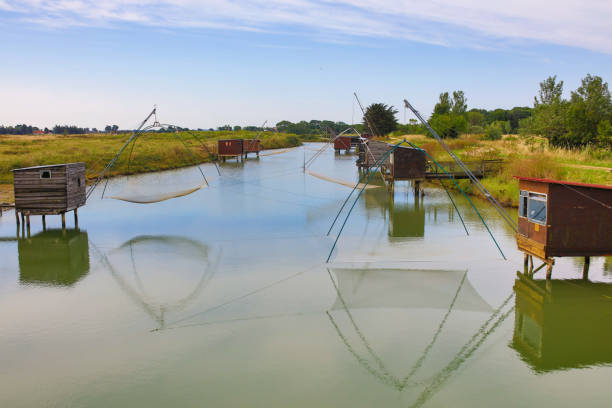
44, 223
63, 221
17, 218
28, 220
76, 219
526, 264
549, 271
530, 265
585, 269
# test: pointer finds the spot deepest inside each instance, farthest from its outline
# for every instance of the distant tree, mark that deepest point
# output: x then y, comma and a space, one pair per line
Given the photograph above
459, 103
550, 112
237, 128
381, 118
475, 118
589, 105
444, 104
115, 128
108, 128
226, 127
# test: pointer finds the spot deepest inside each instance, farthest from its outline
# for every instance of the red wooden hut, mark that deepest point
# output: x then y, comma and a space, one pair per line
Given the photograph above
561, 218
229, 148
251, 146
342, 143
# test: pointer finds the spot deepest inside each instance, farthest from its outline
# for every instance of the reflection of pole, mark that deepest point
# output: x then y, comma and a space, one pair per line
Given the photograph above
383, 158
464, 194
464, 353
454, 205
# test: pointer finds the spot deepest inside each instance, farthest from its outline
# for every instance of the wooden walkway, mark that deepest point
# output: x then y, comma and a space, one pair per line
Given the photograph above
480, 169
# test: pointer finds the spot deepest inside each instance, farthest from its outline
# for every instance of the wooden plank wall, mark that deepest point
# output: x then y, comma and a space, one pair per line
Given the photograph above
75, 185
34, 193
64, 191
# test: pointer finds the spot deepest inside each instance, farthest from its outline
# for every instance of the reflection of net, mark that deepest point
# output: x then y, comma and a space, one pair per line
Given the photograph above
162, 274
341, 182
389, 288
156, 187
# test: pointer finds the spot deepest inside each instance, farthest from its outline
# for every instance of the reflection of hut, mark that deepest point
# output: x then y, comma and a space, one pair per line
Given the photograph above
229, 148
46, 190
54, 257
406, 220
564, 219
562, 324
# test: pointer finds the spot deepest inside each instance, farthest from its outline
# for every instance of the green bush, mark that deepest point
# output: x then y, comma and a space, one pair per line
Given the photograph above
493, 132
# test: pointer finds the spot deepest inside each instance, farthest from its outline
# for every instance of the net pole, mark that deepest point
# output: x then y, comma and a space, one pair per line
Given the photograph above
467, 171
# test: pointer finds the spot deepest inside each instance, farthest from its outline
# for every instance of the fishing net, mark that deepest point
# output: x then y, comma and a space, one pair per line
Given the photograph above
157, 187
155, 150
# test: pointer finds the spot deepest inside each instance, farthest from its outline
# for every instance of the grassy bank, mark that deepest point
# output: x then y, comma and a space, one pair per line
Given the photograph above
152, 152
528, 156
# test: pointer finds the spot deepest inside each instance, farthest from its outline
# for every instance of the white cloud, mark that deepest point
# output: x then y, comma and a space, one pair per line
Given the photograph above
468, 23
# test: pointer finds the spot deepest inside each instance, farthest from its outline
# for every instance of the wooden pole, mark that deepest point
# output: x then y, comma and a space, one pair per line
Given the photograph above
44, 223
76, 219
526, 264
17, 218
63, 221
549, 271
585, 269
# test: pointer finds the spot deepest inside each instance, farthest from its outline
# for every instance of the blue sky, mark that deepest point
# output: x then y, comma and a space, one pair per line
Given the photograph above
214, 62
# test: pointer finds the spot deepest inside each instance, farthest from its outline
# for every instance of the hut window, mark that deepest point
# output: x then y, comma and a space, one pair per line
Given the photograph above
45, 174
523, 203
536, 208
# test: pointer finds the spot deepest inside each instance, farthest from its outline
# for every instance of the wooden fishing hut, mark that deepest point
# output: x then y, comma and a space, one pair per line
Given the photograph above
49, 190
560, 218
371, 152
230, 148
342, 143
251, 146
562, 324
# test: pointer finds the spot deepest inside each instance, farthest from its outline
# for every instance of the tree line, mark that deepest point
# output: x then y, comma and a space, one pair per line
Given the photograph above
585, 119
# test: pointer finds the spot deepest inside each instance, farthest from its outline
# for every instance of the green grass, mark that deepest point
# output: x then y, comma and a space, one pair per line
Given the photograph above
529, 156
152, 152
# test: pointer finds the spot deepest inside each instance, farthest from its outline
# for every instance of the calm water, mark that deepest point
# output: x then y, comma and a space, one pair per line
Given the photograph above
223, 298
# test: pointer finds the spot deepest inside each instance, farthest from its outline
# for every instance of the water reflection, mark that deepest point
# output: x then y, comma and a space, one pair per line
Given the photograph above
422, 290
562, 324
54, 257
162, 274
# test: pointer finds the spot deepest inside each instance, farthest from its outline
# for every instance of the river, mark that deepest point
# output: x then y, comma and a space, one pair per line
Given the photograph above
223, 298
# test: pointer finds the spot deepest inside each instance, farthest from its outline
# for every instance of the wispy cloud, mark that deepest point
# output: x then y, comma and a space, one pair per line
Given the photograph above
466, 23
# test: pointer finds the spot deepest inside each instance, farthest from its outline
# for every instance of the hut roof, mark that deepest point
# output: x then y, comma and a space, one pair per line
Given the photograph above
44, 166
568, 183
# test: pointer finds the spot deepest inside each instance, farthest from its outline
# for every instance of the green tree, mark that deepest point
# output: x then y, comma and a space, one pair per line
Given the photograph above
590, 104
444, 105
459, 103
550, 112
381, 118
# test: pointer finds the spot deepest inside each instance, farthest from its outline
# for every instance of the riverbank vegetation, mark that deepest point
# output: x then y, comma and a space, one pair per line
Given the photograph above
152, 152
